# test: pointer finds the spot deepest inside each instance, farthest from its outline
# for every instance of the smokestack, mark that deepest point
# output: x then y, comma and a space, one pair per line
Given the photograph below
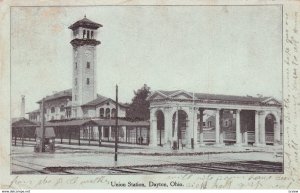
23, 106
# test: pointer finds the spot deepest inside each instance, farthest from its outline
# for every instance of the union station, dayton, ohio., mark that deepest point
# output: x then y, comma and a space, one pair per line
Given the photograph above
178, 119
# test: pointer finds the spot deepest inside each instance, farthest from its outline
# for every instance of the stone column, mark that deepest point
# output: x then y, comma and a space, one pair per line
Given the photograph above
222, 133
153, 128
176, 127
168, 127
109, 134
201, 127
277, 132
256, 133
102, 132
195, 130
125, 134
218, 127
238, 128
262, 130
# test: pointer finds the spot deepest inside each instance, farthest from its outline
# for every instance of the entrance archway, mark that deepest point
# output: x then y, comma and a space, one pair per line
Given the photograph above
160, 125
270, 121
179, 125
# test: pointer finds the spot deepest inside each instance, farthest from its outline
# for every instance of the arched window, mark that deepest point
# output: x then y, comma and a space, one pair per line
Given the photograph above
92, 34
83, 35
113, 113
101, 113
107, 113
88, 34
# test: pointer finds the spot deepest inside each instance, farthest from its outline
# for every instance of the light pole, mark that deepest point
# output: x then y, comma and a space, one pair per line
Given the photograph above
116, 129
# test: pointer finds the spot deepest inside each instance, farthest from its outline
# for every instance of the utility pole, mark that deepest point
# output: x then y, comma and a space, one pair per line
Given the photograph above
116, 129
43, 127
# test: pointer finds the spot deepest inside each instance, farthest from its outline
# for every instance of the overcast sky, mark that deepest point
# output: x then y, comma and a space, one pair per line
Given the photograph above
208, 49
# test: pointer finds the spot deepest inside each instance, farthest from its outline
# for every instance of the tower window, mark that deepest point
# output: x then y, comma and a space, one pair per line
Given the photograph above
87, 81
75, 81
92, 34
88, 34
76, 65
88, 65
83, 35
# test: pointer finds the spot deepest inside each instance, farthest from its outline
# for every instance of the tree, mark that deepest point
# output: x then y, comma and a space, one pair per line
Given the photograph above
139, 107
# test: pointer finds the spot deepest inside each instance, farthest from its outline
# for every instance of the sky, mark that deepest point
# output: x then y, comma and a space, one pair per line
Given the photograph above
232, 50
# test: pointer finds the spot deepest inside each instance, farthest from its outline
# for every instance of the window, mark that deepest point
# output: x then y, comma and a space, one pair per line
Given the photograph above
75, 65
226, 123
209, 123
101, 113
88, 34
88, 65
83, 35
113, 113
52, 109
75, 81
107, 113
62, 108
92, 34
87, 81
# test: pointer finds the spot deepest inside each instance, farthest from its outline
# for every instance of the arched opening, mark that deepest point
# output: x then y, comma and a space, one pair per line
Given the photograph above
88, 34
179, 125
270, 121
160, 120
83, 34
107, 113
101, 113
113, 113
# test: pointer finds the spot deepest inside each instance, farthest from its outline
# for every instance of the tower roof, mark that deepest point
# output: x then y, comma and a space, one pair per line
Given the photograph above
85, 22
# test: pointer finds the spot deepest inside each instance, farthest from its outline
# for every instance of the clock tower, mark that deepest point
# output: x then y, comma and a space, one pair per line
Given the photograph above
84, 65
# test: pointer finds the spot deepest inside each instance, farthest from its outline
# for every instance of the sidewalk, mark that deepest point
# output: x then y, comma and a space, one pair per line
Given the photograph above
134, 149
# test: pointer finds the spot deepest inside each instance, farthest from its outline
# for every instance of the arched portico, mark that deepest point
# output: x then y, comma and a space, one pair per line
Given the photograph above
238, 120
160, 121
179, 128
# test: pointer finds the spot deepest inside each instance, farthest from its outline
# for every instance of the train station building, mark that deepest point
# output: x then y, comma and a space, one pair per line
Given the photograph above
178, 117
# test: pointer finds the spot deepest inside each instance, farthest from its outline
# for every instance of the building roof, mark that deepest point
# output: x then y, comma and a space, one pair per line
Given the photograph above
173, 95
34, 111
22, 122
85, 23
95, 122
112, 122
100, 100
62, 94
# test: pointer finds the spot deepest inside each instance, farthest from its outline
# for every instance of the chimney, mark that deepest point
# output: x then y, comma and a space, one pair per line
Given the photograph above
23, 106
